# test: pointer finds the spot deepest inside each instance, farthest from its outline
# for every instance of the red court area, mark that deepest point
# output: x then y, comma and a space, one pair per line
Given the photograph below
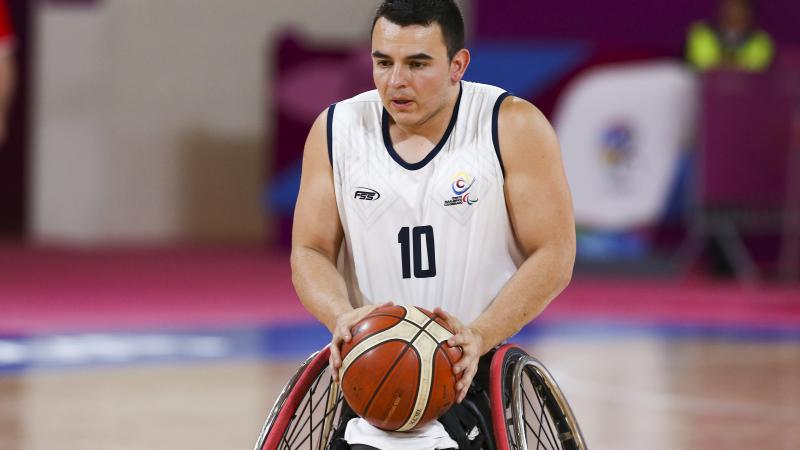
62, 290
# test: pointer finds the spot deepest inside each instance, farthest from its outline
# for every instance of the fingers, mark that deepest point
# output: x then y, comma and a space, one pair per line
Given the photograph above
467, 366
343, 332
451, 320
459, 340
443, 314
335, 361
468, 363
462, 387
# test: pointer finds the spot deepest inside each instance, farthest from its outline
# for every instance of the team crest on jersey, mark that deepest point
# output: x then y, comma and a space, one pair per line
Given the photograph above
463, 193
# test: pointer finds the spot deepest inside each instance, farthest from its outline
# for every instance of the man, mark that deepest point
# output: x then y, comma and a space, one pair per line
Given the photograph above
733, 42
431, 191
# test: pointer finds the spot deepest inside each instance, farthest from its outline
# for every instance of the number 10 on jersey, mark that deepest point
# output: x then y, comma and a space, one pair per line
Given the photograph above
405, 238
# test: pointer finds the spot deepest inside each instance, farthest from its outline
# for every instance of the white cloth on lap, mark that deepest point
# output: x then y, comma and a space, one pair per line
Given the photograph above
427, 437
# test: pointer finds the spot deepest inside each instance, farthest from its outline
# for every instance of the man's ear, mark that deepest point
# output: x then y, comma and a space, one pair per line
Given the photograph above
458, 65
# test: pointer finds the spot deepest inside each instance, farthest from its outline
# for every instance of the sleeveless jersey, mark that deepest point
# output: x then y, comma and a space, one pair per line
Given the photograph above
432, 233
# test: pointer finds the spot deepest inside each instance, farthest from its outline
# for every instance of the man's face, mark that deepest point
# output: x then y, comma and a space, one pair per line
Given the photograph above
411, 70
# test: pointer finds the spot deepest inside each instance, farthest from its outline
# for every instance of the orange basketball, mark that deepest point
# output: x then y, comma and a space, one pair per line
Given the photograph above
397, 370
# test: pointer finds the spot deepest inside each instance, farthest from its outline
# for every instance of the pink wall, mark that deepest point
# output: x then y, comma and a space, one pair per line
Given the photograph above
653, 25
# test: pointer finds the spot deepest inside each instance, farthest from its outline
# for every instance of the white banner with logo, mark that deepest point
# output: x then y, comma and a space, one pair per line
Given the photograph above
622, 129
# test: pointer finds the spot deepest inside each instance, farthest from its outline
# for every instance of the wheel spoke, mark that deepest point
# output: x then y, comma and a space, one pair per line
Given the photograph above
319, 423
541, 432
314, 426
304, 419
551, 426
521, 378
307, 403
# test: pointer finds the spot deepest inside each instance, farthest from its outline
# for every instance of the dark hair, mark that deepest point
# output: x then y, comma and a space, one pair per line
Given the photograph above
425, 12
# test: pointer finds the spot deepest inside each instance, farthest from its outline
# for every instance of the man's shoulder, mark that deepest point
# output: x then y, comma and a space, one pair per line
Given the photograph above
482, 89
521, 119
520, 110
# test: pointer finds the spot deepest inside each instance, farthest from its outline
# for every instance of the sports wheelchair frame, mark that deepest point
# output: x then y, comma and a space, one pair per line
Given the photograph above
528, 409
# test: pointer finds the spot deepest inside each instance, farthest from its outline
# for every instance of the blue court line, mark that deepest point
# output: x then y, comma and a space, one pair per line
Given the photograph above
290, 342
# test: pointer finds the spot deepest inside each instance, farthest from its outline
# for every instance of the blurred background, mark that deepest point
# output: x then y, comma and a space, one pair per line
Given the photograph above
150, 160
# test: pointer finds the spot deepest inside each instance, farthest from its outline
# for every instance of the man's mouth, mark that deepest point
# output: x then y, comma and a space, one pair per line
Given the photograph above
401, 102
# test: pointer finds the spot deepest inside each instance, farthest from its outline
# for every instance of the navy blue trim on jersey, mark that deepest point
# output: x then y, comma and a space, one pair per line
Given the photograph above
330, 133
495, 137
387, 139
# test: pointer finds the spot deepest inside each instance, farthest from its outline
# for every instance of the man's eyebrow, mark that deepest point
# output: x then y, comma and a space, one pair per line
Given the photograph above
417, 56
420, 56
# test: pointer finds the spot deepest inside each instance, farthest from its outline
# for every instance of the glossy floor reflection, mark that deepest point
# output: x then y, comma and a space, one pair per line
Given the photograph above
629, 391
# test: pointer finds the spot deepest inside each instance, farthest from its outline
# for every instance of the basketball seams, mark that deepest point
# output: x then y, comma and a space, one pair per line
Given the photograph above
422, 347
419, 378
425, 333
439, 336
439, 348
368, 349
373, 333
398, 331
430, 389
409, 344
428, 375
383, 314
402, 319
382, 330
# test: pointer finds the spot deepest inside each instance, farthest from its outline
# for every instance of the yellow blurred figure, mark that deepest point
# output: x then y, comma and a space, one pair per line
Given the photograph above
733, 42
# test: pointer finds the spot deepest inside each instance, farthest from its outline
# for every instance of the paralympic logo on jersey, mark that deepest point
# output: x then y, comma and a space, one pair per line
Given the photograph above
461, 184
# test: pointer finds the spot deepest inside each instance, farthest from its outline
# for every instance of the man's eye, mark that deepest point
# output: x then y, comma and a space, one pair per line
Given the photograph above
417, 65
384, 64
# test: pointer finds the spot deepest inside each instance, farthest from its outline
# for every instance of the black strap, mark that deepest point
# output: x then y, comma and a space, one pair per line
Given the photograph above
337, 440
473, 413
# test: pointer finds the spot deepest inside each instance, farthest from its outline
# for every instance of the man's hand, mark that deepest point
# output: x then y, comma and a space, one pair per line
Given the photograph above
471, 344
341, 334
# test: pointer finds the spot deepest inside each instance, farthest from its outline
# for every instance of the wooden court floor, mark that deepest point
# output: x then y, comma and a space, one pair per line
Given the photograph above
629, 391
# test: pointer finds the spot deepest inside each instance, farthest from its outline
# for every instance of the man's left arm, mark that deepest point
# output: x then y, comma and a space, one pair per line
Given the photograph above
540, 208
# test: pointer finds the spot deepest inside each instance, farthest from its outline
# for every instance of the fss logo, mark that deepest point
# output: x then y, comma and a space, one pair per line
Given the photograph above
364, 193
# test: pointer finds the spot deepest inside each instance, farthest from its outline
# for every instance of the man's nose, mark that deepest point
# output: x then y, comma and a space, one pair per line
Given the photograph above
398, 77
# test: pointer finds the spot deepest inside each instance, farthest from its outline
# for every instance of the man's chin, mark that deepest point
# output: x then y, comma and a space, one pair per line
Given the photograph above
402, 118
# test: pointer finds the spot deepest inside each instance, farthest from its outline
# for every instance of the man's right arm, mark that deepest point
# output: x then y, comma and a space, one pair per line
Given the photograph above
316, 238
317, 234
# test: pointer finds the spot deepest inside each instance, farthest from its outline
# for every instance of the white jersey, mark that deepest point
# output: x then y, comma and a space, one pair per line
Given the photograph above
433, 233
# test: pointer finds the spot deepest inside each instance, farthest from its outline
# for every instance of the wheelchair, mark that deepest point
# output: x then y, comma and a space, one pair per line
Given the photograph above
526, 407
